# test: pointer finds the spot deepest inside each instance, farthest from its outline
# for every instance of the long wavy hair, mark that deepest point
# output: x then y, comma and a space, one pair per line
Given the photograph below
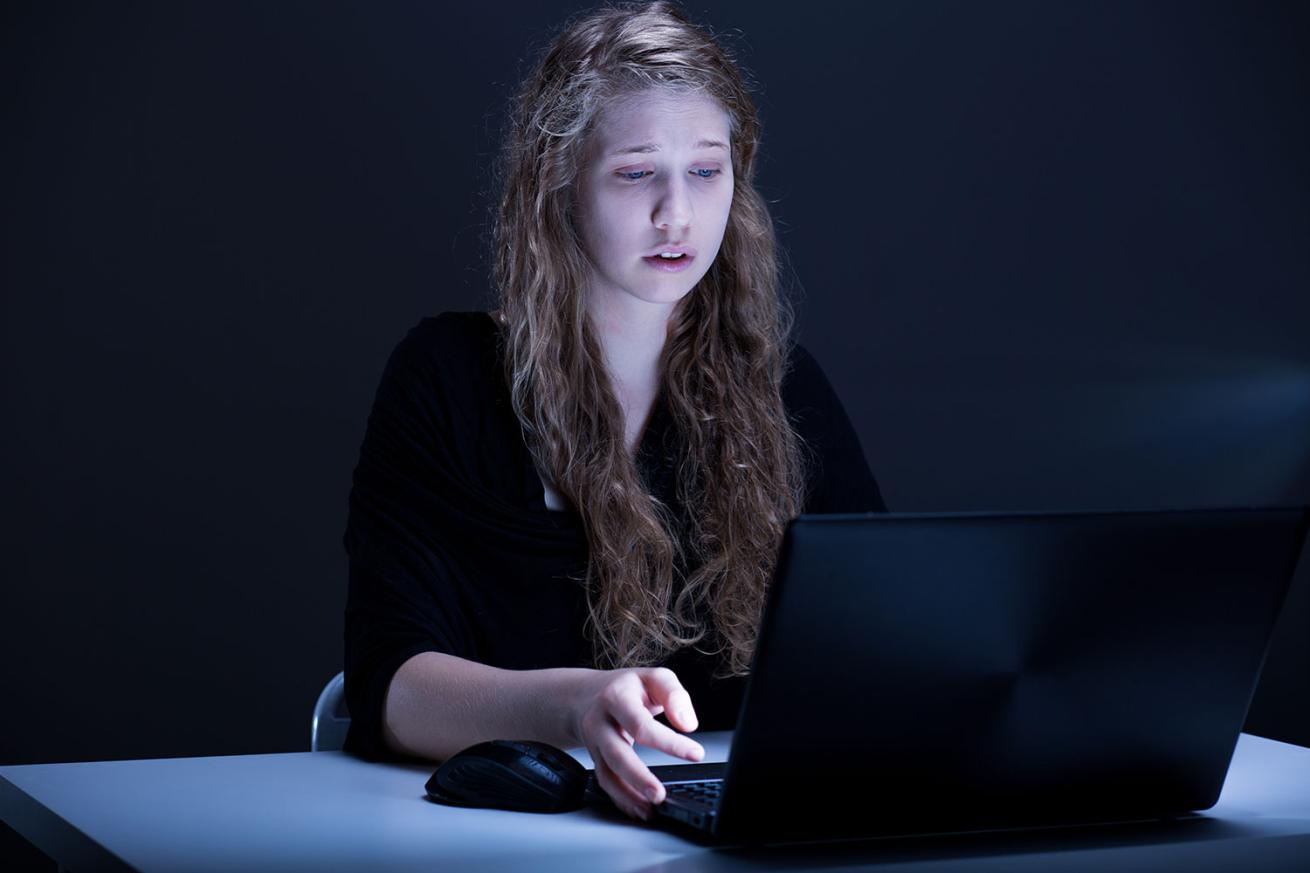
741, 471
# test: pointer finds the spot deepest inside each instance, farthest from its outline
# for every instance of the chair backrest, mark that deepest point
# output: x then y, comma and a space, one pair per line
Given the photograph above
327, 732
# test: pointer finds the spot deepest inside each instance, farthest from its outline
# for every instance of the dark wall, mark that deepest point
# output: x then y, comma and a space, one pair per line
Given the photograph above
1053, 256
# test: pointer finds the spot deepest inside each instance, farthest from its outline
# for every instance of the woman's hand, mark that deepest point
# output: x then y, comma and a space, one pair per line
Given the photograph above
615, 708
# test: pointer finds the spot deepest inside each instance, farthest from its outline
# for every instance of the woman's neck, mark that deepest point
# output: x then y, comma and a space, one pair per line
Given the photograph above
631, 333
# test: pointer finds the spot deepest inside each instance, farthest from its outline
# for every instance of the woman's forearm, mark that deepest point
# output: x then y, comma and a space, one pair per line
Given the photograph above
439, 704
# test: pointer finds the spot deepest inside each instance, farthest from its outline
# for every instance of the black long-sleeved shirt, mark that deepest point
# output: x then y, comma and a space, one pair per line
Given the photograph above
453, 549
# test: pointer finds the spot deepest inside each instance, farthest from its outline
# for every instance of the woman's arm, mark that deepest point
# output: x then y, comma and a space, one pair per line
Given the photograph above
439, 704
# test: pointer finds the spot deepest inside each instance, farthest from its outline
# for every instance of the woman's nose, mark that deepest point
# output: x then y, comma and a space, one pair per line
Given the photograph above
673, 212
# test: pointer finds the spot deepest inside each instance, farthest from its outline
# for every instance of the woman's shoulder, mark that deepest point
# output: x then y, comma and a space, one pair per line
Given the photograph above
451, 356
799, 357
455, 345
451, 334
803, 379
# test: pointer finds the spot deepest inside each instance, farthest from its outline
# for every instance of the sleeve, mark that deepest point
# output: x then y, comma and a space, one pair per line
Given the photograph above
406, 582
841, 480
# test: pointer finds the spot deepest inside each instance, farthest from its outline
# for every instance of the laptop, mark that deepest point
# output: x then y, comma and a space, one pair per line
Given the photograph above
929, 673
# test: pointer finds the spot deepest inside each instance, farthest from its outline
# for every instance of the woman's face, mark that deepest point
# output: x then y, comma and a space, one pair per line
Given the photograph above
657, 174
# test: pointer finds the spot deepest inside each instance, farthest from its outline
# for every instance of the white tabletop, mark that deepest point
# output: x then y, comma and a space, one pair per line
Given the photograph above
327, 811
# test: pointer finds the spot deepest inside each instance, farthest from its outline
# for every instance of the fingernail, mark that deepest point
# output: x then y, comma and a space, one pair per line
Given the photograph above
653, 794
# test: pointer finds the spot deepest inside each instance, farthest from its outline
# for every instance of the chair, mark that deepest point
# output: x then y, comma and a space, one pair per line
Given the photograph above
327, 732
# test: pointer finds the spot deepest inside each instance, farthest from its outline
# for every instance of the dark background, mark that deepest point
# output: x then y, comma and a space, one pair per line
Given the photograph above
1052, 256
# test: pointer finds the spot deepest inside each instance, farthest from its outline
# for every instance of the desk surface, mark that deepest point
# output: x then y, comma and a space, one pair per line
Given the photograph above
327, 811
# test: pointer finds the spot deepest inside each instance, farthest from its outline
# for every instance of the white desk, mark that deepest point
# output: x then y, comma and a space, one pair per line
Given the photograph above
326, 811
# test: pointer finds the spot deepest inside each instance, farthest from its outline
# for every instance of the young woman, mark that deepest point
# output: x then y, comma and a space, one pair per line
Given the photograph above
567, 511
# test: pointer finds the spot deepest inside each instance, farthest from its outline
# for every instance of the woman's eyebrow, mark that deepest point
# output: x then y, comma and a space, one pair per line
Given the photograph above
647, 147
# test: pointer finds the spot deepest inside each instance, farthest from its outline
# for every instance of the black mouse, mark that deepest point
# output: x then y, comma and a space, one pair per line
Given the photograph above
521, 775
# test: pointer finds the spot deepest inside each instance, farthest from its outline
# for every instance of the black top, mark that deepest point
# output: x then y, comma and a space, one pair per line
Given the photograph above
451, 545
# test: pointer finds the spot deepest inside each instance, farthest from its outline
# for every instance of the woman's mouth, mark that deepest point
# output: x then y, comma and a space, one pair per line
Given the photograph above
670, 265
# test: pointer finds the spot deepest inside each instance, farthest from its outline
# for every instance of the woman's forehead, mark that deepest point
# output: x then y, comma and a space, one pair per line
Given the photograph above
655, 121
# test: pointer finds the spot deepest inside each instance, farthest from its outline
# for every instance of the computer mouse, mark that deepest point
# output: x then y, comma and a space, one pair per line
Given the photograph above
520, 775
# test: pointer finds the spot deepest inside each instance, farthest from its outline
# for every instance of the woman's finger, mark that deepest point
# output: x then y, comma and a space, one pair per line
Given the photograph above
630, 769
640, 726
664, 689
622, 795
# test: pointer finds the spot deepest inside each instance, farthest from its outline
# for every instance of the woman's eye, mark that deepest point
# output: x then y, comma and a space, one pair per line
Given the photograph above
702, 173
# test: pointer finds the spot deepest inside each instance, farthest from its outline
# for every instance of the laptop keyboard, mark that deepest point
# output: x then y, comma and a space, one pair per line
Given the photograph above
706, 791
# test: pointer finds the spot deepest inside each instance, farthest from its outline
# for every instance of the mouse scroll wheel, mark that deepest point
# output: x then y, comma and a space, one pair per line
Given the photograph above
537, 754
544, 770
527, 750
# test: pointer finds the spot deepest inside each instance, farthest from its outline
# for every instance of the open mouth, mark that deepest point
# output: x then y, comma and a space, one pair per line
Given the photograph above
669, 264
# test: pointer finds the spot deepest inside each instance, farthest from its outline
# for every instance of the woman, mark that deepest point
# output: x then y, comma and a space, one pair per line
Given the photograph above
566, 512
